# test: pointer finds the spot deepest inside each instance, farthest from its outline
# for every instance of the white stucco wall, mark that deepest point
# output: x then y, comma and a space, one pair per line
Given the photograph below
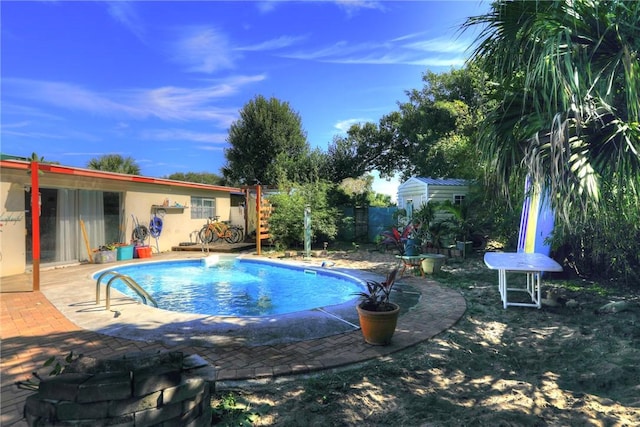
12, 226
137, 199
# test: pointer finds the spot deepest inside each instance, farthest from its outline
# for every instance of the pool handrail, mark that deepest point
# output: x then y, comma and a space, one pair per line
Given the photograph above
132, 284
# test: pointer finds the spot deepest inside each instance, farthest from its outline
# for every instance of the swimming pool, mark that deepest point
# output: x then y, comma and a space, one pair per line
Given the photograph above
237, 286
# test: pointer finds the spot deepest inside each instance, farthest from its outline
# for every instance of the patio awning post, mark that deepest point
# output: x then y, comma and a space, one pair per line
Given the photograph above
35, 224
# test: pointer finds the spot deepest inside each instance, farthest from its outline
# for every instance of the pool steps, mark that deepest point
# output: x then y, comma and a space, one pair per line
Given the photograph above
132, 284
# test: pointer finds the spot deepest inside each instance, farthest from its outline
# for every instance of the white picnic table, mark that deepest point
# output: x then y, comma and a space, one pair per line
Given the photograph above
532, 264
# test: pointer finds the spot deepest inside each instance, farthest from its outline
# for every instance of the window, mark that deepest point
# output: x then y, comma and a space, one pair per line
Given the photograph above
457, 199
202, 208
237, 200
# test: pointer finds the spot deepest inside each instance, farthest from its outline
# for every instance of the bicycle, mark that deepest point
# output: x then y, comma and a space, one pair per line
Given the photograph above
214, 230
240, 230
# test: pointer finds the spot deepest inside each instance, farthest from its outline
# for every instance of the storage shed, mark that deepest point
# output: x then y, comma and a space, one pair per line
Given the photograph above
417, 191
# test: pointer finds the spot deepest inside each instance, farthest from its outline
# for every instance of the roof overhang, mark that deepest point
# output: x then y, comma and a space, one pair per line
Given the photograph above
90, 173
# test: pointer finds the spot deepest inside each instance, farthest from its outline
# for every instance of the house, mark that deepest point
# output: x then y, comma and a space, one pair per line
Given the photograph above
82, 209
417, 191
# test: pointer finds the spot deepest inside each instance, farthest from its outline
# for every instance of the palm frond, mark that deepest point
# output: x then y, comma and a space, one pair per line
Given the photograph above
568, 79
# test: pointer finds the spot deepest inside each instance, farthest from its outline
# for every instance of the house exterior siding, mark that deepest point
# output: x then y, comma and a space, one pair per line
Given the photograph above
140, 197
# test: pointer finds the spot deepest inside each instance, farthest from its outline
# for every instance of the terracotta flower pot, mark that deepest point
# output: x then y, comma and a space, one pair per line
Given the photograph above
378, 326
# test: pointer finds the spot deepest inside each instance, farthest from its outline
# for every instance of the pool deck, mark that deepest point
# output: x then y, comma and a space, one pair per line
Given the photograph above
63, 317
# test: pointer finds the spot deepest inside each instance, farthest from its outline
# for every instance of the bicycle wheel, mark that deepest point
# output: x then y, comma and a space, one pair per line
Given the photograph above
229, 235
234, 235
240, 233
206, 234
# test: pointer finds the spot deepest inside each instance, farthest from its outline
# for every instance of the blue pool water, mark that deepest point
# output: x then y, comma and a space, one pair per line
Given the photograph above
237, 287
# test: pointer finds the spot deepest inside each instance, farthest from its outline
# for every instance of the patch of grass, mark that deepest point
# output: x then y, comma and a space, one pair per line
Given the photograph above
233, 410
584, 286
568, 365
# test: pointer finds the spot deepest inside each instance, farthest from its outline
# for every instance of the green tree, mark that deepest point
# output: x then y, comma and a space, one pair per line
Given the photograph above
355, 154
115, 163
357, 189
567, 84
439, 125
267, 144
286, 223
199, 177
380, 200
434, 133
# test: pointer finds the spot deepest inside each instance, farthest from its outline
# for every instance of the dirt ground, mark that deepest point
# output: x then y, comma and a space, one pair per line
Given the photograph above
575, 362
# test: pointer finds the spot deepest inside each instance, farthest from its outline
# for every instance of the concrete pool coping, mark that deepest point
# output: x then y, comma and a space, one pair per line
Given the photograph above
133, 320
63, 317
72, 291
37, 325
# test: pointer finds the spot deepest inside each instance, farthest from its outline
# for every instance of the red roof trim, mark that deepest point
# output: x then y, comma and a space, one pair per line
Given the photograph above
90, 173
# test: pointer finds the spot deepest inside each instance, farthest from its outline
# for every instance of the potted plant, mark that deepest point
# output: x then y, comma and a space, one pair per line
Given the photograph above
422, 217
378, 316
404, 241
105, 253
462, 224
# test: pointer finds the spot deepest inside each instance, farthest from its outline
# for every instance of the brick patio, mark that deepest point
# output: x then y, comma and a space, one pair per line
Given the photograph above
33, 329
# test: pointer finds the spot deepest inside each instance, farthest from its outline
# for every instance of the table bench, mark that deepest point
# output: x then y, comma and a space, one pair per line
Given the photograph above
532, 264
411, 261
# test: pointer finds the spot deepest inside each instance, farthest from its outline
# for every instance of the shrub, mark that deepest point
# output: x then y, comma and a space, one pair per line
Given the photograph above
286, 224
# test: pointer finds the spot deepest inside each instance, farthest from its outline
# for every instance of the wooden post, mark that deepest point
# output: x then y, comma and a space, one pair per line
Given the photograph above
258, 225
35, 224
262, 224
247, 199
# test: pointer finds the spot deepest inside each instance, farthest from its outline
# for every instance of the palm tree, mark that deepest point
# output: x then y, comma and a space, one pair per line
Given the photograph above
566, 76
115, 163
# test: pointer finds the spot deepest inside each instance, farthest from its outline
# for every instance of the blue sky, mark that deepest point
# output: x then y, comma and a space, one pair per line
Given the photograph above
162, 81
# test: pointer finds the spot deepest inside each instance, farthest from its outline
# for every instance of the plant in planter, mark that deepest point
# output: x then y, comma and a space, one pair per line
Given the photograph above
437, 231
105, 253
422, 217
404, 241
378, 316
469, 223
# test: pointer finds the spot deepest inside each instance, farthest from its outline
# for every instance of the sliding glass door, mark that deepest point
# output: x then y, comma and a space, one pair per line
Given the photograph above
73, 222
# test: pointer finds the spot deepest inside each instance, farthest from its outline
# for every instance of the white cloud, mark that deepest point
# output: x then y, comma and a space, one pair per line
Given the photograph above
266, 6
204, 50
344, 125
440, 45
438, 52
211, 147
9, 108
184, 135
166, 103
125, 13
332, 52
83, 153
352, 6
273, 44
32, 134
21, 124
439, 62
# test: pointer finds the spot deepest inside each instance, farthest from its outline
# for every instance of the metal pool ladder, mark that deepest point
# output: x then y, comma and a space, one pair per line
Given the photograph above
146, 298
